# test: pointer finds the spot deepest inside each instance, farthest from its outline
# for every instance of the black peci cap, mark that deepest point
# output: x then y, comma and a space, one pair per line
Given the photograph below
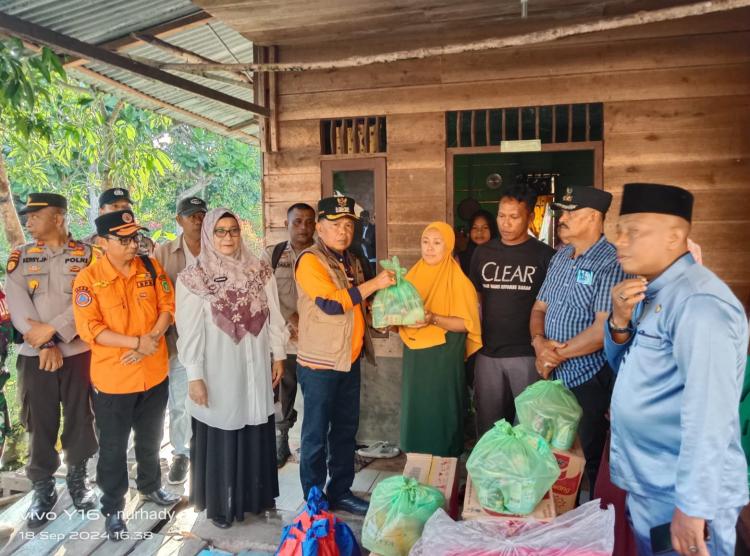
574, 198
658, 198
333, 208
119, 223
113, 195
191, 205
38, 201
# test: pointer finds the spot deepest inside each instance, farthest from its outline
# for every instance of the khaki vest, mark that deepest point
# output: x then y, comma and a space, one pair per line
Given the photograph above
324, 339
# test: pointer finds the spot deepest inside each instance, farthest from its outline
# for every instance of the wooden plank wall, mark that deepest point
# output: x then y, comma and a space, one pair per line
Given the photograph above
676, 102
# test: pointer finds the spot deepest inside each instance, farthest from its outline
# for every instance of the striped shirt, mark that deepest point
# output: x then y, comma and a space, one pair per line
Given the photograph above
574, 291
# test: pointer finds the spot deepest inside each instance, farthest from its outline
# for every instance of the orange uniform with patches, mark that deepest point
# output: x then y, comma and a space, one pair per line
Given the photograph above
130, 305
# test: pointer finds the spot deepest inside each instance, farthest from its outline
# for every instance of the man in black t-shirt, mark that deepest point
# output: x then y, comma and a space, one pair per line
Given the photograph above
507, 274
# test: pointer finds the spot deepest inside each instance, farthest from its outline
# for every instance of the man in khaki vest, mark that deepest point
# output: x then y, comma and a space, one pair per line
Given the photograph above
333, 335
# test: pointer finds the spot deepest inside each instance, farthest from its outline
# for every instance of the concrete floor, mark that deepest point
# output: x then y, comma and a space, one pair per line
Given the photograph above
262, 533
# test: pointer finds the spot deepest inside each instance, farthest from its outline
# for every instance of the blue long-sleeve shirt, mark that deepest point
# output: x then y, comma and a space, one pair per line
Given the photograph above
675, 406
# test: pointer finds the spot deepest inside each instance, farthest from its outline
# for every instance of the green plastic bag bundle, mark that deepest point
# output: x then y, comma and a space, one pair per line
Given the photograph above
512, 468
397, 305
550, 409
399, 508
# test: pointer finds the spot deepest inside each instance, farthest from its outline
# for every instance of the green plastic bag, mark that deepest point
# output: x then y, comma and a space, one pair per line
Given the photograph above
512, 468
550, 409
397, 305
399, 508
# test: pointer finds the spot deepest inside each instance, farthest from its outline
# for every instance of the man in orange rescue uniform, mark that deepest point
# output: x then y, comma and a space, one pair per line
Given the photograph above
123, 305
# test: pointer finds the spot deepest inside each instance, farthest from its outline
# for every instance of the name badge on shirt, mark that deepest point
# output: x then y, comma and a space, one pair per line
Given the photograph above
585, 277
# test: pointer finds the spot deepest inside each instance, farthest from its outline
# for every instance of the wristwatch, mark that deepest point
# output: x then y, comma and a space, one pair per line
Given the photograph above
616, 329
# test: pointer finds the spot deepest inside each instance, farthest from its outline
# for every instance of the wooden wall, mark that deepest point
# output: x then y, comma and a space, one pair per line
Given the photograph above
676, 98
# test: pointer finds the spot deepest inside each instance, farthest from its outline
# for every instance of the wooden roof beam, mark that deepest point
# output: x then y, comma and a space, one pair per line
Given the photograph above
184, 53
242, 125
162, 30
524, 39
70, 45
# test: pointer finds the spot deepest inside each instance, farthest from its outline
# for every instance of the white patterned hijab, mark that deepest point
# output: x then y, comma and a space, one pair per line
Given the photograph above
233, 285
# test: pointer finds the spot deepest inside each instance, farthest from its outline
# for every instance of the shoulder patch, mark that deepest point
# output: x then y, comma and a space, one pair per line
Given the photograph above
13, 260
83, 296
164, 283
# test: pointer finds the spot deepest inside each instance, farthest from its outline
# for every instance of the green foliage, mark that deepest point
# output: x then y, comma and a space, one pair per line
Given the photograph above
26, 78
57, 135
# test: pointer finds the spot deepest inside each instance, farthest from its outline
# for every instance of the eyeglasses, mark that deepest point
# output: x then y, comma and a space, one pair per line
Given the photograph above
222, 232
125, 241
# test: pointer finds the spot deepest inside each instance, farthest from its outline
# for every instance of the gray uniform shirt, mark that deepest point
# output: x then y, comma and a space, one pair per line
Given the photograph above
39, 286
172, 258
286, 284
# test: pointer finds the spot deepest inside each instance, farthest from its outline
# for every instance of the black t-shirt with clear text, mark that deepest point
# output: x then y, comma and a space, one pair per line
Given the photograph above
508, 279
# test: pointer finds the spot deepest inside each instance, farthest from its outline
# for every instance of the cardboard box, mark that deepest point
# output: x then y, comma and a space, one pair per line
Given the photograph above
544, 511
572, 464
438, 472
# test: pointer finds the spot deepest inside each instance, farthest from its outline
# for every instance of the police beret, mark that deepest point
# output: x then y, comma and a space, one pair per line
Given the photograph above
113, 195
38, 201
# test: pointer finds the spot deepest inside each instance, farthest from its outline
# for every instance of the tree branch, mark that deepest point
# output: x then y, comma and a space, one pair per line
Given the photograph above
115, 112
11, 223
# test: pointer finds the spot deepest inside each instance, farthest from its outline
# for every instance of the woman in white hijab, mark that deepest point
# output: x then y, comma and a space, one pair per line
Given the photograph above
229, 323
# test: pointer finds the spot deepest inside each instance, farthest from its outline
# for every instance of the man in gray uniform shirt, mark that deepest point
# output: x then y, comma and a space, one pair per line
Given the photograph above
53, 363
300, 222
174, 257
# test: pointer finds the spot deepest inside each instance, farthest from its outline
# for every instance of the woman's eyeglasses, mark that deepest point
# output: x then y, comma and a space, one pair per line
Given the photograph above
222, 232
125, 241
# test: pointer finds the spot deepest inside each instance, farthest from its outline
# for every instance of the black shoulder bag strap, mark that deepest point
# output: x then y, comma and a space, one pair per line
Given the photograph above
278, 250
146, 260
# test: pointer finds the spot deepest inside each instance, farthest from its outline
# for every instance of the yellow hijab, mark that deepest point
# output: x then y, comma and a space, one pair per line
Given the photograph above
446, 291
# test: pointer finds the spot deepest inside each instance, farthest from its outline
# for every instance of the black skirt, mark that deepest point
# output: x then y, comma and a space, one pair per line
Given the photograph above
233, 472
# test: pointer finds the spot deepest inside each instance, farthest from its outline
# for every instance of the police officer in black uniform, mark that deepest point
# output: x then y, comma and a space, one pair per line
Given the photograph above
53, 363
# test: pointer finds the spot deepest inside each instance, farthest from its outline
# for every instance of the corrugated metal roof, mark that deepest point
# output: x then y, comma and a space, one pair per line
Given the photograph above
208, 40
98, 21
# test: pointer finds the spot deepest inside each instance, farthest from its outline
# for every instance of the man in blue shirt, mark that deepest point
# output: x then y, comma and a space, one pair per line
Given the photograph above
568, 317
677, 339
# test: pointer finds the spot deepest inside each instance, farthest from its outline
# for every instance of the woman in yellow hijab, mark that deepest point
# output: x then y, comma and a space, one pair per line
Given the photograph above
432, 400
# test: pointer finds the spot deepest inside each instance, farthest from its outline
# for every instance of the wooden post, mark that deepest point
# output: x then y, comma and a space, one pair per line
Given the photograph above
273, 101
259, 95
